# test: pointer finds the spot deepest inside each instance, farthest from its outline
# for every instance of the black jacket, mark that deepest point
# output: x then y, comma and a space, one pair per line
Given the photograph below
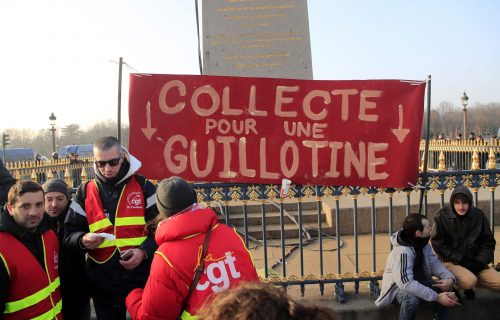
74, 292
109, 282
32, 241
465, 240
6, 181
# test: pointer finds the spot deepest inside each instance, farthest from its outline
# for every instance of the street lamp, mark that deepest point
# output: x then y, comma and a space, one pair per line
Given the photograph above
52, 119
465, 100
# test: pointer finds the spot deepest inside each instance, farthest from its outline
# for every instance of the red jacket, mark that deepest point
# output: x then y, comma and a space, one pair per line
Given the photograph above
180, 238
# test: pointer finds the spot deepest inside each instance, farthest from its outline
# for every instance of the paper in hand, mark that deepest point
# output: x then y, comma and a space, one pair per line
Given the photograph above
107, 236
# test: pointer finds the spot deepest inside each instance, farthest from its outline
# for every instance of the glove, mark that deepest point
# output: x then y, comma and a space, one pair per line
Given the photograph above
472, 265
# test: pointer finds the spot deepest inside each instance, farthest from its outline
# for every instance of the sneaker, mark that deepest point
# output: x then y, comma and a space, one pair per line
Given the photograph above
458, 295
470, 294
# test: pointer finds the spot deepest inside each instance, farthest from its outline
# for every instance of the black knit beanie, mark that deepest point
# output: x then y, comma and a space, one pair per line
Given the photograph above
174, 195
56, 185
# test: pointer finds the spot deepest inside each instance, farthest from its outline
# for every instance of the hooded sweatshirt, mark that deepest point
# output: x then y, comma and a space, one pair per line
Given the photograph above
454, 238
399, 272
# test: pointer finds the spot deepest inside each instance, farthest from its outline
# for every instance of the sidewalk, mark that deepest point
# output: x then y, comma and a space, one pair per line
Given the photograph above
311, 255
361, 306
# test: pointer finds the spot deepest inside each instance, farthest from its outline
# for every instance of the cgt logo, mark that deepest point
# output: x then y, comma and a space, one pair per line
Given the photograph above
134, 200
219, 274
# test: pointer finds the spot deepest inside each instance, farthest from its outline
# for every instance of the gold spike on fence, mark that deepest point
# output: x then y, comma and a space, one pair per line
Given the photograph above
475, 161
492, 160
459, 154
84, 175
72, 173
442, 163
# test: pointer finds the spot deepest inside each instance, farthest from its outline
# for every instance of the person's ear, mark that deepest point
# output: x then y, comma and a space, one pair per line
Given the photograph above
418, 233
10, 209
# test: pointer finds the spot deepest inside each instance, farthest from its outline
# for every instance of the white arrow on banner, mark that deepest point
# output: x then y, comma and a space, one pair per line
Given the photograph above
148, 131
400, 133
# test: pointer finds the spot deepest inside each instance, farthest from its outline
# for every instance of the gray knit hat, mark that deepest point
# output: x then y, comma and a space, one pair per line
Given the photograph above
174, 195
56, 185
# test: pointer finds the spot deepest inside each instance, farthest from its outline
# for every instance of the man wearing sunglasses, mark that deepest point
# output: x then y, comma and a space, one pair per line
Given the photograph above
107, 219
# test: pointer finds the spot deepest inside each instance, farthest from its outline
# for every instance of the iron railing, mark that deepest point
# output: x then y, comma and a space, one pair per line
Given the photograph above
355, 211
448, 155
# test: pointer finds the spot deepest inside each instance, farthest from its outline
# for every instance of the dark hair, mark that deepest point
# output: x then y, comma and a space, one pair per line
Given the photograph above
106, 143
21, 188
260, 301
462, 197
412, 223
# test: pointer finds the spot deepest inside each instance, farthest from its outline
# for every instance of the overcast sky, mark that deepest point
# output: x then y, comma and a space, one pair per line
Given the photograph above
55, 55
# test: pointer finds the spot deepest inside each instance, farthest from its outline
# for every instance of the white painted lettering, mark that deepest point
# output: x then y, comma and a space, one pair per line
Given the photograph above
193, 157
213, 96
289, 145
226, 109
306, 104
281, 100
345, 93
364, 104
314, 145
181, 159
181, 88
226, 171
373, 161
350, 159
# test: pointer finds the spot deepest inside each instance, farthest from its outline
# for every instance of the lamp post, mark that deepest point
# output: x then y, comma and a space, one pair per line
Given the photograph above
465, 100
52, 119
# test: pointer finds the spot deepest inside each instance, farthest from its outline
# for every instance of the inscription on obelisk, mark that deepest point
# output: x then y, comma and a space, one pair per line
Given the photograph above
256, 38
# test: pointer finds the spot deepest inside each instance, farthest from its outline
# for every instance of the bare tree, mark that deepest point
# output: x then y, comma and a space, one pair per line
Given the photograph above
445, 111
41, 141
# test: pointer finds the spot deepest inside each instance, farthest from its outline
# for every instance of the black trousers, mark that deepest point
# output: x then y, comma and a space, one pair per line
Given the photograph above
109, 312
81, 312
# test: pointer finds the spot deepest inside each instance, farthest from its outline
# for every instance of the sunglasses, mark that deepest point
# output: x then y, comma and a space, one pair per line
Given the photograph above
113, 162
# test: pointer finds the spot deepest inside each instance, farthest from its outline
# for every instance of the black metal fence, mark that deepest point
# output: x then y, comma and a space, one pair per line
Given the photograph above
358, 213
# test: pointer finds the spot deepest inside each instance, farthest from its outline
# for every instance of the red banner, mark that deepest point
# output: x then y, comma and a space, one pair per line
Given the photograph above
261, 130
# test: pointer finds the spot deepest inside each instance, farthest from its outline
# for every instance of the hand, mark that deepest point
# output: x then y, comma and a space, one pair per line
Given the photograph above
447, 299
90, 241
444, 285
136, 259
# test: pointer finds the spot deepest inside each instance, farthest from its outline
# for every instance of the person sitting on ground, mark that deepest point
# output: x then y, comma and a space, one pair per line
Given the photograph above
409, 270
462, 238
253, 301
181, 279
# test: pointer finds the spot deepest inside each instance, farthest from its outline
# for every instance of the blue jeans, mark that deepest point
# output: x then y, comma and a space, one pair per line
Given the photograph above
409, 304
